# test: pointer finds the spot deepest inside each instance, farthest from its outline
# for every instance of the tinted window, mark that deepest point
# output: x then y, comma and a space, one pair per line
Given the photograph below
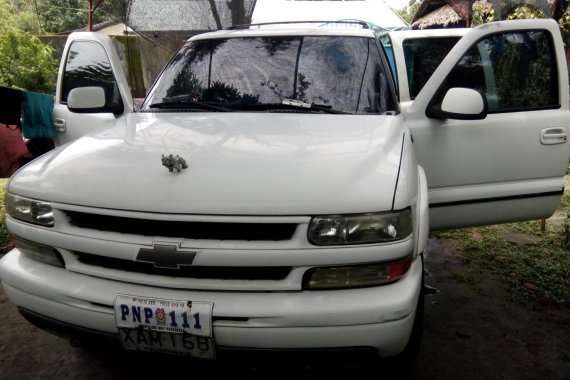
88, 65
342, 73
423, 56
515, 71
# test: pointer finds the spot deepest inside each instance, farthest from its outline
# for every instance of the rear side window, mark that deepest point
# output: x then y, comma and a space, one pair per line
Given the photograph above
87, 65
515, 71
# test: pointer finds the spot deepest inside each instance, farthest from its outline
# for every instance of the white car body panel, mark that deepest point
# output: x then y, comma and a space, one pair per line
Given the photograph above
304, 157
70, 126
467, 161
273, 319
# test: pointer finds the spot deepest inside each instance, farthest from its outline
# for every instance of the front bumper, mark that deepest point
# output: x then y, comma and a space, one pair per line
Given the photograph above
380, 318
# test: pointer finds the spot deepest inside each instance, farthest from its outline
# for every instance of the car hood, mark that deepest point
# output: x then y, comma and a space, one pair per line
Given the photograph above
238, 164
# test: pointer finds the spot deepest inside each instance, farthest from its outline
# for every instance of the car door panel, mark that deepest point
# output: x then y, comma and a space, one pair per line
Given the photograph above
511, 164
89, 59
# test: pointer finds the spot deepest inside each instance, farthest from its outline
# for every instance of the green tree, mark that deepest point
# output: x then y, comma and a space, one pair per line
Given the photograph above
26, 62
483, 13
408, 12
23, 16
8, 19
525, 12
67, 15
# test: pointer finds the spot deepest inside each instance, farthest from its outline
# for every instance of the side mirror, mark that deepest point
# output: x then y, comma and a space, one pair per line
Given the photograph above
461, 104
90, 100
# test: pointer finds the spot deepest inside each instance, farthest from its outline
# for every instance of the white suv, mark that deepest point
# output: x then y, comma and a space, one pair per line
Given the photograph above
270, 194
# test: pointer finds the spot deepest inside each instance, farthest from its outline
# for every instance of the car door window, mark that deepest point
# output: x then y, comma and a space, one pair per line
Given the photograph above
516, 71
88, 65
423, 56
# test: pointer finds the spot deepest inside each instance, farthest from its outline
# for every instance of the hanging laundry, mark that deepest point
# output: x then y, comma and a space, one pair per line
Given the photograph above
12, 150
11, 109
37, 112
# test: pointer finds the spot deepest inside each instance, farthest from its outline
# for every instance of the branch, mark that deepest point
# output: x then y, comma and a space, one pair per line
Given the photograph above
98, 3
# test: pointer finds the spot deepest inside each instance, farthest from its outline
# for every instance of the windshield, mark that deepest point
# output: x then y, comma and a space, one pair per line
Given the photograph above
334, 73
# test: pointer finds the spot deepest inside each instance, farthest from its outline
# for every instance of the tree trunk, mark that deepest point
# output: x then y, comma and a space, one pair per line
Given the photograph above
237, 9
215, 14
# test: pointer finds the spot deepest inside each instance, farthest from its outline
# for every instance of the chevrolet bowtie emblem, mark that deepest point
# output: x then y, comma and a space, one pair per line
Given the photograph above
166, 256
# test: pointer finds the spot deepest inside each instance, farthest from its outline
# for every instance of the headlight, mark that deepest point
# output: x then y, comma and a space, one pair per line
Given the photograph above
356, 275
29, 210
360, 228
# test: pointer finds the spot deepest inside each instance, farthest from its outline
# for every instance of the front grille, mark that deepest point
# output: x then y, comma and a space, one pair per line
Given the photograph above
199, 272
187, 230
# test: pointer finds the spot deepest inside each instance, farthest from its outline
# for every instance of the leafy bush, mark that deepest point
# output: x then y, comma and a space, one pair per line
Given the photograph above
26, 62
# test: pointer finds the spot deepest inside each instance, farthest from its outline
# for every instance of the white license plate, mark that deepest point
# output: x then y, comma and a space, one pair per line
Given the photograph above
158, 341
154, 324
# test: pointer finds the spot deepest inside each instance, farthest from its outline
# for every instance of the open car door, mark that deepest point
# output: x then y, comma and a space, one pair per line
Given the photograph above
89, 60
490, 126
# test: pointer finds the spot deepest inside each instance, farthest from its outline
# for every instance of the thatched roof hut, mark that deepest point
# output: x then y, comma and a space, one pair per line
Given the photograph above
443, 14
457, 13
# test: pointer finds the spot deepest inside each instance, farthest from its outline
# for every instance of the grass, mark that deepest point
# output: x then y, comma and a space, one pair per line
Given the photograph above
536, 268
536, 271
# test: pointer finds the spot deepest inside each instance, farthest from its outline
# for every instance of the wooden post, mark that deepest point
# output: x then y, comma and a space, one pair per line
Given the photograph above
469, 13
90, 17
90, 14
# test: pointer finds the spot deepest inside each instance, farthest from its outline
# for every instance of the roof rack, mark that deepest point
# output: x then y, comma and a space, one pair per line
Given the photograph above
362, 24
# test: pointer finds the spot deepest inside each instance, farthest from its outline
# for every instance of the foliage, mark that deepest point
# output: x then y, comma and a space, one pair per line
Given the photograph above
483, 13
64, 15
4, 235
408, 12
524, 73
28, 21
525, 12
8, 19
26, 62
564, 24
48, 16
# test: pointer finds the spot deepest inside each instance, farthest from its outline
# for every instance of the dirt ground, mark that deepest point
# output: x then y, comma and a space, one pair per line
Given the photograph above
473, 330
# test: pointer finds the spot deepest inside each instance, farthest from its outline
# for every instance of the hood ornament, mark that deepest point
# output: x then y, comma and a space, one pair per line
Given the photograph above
174, 163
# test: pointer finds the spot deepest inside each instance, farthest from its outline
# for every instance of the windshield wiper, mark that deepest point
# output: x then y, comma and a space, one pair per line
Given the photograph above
291, 103
311, 106
190, 104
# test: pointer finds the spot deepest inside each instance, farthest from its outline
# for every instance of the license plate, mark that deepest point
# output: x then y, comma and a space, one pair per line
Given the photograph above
167, 343
177, 326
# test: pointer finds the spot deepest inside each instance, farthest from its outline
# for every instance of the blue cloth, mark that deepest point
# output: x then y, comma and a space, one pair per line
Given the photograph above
37, 115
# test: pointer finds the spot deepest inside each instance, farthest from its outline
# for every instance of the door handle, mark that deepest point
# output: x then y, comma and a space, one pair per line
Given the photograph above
554, 135
59, 125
